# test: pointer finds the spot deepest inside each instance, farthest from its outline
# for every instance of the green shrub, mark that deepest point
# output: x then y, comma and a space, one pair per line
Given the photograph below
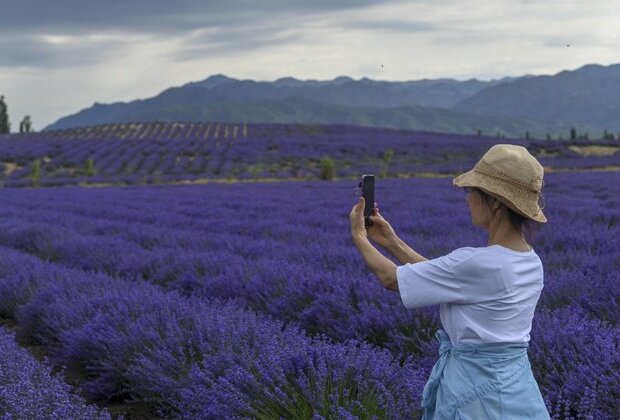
35, 172
385, 161
89, 167
328, 168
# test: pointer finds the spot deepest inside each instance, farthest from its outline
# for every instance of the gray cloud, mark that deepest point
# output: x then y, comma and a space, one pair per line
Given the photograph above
36, 51
231, 41
392, 25
223, 26
155, 16
58, 56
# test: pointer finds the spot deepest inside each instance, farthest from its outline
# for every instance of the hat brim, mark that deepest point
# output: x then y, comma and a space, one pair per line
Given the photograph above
524, 202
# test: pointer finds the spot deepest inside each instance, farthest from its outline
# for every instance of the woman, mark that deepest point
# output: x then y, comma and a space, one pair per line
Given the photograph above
487, 295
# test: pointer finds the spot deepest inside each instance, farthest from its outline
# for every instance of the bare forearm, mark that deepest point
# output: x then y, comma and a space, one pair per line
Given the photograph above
403, 253
383, 267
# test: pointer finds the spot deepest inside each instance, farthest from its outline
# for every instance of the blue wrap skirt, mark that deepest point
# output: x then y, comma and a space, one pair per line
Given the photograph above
482, 381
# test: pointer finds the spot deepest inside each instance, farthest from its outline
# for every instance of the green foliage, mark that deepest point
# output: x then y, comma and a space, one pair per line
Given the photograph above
256, 169
89, 167
608, 135
328, 168
343, 390
25, 126
385, 161
5, 125
35, 172
156, 177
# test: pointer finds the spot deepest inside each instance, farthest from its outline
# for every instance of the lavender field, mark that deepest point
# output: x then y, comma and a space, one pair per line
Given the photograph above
250, 300
156, 153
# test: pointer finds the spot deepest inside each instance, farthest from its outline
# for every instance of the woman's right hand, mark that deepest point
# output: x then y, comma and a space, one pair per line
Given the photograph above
381, 231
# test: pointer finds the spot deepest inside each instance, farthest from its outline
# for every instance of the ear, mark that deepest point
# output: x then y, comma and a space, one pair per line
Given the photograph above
496, 204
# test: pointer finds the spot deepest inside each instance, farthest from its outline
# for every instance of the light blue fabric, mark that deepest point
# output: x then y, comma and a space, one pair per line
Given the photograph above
482, 381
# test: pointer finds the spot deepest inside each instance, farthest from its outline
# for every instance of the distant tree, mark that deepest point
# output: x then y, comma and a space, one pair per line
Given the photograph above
479, 132
35, 172
385, 161
527, 135
5, 125
89, 167
25, 126
548, 136
328, 168
607, 135
573, 133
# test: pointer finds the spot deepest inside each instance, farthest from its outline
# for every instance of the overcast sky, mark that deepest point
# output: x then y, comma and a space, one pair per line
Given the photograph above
60, 56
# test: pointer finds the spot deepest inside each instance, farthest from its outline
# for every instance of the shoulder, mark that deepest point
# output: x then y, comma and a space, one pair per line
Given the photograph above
461, 255
473, 262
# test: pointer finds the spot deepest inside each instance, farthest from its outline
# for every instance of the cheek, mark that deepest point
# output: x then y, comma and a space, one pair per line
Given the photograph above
472, 203
472, 208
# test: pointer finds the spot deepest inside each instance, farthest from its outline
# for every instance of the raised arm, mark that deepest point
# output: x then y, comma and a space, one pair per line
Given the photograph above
382, 233
383, 267
403, 252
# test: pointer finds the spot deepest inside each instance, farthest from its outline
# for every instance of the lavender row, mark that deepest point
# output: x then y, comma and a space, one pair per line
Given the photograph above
325, 288
29, 390
177, 237
298, 269
152, 153
575, 360
189, 358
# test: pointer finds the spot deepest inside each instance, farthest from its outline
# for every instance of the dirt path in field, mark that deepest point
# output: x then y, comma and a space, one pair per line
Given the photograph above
595, 150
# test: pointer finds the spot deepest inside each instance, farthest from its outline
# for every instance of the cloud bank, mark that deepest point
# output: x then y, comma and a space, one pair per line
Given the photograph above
57, 57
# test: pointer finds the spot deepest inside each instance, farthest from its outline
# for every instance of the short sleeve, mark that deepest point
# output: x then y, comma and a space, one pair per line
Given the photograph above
431, 282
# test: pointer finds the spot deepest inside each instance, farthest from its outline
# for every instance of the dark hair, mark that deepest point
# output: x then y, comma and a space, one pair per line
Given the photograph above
522, 224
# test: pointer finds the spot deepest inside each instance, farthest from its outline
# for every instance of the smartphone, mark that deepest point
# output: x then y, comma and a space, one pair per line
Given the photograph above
368, 192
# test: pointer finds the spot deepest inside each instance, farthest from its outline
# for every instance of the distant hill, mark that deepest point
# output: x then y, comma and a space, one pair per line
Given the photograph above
587, 96
582, 98
198, 105
348, 92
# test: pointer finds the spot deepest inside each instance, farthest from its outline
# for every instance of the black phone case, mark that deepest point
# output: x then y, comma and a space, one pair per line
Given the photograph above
368, 192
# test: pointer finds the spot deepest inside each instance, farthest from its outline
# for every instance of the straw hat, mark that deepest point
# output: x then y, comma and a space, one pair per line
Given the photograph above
510, 174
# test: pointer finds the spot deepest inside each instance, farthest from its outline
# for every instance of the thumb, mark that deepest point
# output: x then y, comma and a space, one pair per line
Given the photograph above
378, 219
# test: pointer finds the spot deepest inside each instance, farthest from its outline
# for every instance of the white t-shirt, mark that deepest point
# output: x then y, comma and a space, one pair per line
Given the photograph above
486, 294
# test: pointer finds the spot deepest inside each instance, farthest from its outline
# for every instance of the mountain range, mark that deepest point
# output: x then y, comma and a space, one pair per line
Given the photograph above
539, 105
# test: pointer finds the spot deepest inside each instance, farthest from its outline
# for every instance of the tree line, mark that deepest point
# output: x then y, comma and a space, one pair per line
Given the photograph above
25, 126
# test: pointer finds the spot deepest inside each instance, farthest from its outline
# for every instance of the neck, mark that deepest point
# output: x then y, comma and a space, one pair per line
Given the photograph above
501, 232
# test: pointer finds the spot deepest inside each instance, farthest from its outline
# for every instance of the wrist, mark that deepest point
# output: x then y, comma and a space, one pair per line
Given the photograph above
393, 244
359, 237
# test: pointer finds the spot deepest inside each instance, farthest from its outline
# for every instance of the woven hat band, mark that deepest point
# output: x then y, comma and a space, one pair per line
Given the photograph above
485, 169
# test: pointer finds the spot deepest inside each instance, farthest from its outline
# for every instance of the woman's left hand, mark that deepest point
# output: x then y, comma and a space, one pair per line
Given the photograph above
357, 219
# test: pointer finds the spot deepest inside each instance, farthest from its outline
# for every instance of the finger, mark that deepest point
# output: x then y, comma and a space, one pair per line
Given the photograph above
358, 207
377, 219
360, 204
